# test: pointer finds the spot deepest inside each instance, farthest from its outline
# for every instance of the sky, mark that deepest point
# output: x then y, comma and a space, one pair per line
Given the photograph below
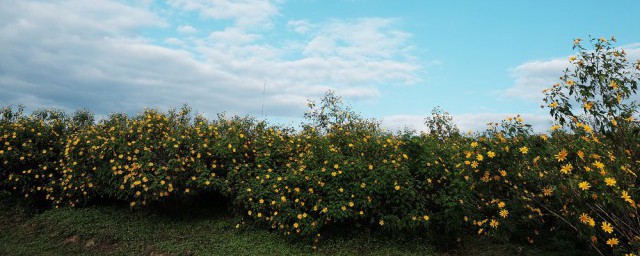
392, 60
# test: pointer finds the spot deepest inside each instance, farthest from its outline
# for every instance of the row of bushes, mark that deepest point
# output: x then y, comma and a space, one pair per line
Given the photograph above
498, 183
339, 168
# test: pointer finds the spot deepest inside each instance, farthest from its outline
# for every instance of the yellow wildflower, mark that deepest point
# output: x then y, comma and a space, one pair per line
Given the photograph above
610, 181
584, 185
524, 150
494, 223
566, 169
606, 227
562, 155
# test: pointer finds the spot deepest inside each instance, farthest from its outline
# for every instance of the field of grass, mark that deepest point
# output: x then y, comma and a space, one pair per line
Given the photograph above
204, 230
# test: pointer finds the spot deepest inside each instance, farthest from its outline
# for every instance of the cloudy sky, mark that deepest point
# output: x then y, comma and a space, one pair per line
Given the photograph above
393, 60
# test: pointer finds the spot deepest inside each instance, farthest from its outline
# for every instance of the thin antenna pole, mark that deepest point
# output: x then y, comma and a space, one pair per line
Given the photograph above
264, 89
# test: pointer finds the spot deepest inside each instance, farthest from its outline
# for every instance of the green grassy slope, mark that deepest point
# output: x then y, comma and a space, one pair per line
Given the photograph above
116, 230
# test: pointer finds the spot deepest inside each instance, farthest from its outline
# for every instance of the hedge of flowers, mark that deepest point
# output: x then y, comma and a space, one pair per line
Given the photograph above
339, 168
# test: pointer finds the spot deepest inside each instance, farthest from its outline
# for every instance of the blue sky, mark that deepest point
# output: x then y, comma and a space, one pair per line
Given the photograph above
393, 60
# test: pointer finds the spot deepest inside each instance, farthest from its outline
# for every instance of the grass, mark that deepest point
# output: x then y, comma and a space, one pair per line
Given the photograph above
203, 230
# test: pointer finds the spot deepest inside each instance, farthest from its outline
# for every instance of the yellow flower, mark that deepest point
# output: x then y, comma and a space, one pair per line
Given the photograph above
381, 222
491, 154
562, 155
397, 187
524, 150
612, 241
504, 213
474, 144
610, 181
606, 227
570, 82
547, 191
566, 169
584, 185
584, 218
426, 217
598, 165
627, 198
494, 223
480, 157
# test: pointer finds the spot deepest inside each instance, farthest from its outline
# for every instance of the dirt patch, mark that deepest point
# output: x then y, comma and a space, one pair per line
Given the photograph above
90, 244
71, 240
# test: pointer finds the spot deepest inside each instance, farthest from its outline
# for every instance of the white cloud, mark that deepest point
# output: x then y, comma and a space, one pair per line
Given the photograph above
400, 122
299, 26
245, 13
232, 36
367, 38
479, 121
174, 41
186, 29
89, 54
534, 76
473, 122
